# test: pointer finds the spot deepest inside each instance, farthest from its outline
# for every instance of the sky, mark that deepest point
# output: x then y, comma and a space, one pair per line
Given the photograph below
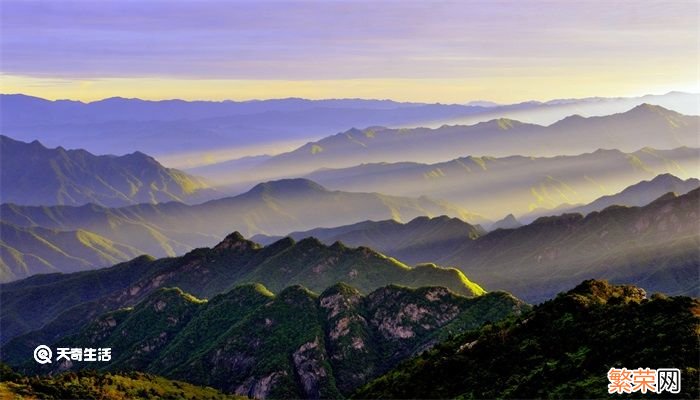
428, 51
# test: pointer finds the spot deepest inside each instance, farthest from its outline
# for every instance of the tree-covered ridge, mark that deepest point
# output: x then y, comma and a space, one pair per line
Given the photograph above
293, 344
562, 348
37, 301
101, 385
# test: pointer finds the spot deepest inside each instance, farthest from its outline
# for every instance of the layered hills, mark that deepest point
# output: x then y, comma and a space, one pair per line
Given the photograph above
641, 193
329, 311
420, 240
654, 126
31, 174
653, 246
563, 348
497, 186
41, 301
174, 127
170, 229
177, 126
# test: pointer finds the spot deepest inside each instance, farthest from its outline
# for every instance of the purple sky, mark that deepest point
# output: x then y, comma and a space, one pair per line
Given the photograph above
633, 42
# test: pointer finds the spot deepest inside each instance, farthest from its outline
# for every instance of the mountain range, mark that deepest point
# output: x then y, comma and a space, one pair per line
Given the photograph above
76, 177
494, 187
563, 348
641, 193
172, 127
40, 301
173, 228
31, 249
175, 126
651, 125
293, 344
654, 246
31, 174
373, 268
420, 240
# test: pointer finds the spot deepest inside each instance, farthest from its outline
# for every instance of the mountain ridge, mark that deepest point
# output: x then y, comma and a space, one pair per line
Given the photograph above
497, 186
30, 250
562, 348
653, 246
641, 193
117, 124
33, 174
655, 126
169, 229
421, 240
205, 272
306, 344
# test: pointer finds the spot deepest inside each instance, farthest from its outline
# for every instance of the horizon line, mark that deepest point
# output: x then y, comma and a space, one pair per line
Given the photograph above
253, 100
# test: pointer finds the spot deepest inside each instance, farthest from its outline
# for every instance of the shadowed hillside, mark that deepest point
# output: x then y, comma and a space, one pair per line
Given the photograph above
561, 349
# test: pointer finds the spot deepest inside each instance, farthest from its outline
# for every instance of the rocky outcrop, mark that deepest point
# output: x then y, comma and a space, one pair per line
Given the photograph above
259, 388
309, 366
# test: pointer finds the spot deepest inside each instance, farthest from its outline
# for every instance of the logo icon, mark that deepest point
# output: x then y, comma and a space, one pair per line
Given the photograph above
623, 380
42, 354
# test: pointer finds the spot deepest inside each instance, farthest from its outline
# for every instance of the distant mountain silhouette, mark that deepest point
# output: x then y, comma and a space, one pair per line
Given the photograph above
177, 126
641, 193
170, 127
508, 222
31, 174
646, 124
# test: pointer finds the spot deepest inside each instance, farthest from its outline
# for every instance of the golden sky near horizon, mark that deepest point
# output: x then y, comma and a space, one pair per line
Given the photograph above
426, 51
502, 90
